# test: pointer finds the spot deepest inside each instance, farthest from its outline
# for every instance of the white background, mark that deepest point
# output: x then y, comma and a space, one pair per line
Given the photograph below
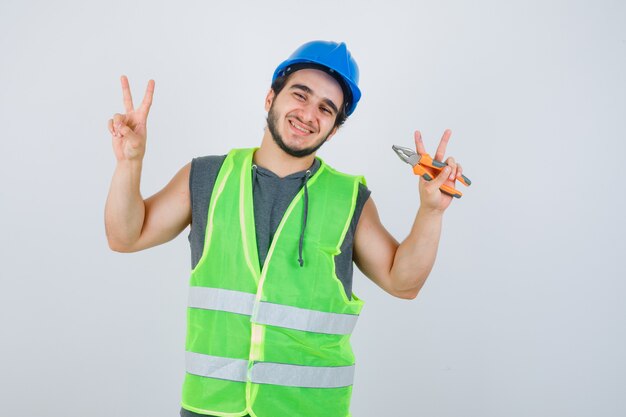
523, 314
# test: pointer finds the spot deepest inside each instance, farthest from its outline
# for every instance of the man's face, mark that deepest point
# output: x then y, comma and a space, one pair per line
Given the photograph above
302, 117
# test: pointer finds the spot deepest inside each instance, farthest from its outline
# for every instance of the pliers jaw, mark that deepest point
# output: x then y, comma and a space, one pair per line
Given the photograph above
412, 158
408, 155
428, 168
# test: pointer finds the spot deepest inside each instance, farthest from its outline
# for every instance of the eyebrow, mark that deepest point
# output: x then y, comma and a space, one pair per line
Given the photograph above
307, 90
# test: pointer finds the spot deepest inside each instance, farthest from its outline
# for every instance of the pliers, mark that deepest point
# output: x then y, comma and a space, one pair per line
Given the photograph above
428, 168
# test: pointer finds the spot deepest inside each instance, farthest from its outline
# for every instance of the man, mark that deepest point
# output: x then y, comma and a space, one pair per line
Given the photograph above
275, 230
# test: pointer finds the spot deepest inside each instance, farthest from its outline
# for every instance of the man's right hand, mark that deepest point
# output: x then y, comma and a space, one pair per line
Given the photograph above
132, 223
129, 130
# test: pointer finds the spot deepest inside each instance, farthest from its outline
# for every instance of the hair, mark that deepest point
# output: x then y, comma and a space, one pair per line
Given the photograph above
280, 82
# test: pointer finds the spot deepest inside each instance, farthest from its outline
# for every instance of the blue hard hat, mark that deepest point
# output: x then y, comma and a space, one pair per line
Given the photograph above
333, 56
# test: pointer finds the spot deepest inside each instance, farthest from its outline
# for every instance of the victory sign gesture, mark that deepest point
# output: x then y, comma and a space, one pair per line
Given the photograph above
431, 196
129, 129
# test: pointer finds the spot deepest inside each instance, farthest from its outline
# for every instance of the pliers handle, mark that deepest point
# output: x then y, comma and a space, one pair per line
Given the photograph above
428, 168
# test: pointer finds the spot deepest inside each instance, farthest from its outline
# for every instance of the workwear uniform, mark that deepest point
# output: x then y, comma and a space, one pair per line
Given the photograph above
272, 340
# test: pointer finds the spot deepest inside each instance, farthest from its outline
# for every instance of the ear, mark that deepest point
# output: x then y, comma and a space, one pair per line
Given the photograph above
269, 99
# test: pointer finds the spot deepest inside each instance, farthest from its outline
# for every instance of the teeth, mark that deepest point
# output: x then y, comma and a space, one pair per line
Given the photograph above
299, 128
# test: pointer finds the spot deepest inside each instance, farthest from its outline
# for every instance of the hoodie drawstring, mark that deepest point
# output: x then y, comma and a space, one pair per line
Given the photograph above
304, 216
254, 169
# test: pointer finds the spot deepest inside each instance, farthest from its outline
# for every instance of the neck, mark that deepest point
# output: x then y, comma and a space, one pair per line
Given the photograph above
271, 157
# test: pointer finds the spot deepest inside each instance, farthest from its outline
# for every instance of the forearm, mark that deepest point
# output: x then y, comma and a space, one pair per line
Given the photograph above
124, 210
415, 257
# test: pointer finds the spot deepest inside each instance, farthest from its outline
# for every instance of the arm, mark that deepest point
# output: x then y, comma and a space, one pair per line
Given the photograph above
131, 222
402, 269
399, 269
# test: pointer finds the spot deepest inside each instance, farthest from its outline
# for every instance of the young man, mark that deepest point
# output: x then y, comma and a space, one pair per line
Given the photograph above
274, 232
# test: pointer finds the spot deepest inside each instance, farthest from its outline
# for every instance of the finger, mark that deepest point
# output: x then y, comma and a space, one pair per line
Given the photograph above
118, 120
453, 166
441, 149
442, 177
459, 171
125, 131
128, 99
147, 98
110, 126
419, 144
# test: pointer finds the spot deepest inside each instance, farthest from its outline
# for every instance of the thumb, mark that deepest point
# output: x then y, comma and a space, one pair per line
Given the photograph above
126, 131
442, 177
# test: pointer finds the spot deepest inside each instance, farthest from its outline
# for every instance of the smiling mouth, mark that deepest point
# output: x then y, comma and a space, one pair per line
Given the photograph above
299, 127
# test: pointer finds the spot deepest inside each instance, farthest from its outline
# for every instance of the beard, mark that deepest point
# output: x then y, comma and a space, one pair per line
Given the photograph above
272, 118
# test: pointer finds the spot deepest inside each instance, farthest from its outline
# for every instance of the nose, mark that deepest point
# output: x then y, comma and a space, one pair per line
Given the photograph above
307, 112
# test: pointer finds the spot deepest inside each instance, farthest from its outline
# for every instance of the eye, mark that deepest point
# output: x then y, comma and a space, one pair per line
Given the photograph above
299, 96
326, 110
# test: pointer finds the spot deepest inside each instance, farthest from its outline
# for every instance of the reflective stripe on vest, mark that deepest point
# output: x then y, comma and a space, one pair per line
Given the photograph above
303, 319
221, 299
271, 314
270, 373
216, 367
302, 376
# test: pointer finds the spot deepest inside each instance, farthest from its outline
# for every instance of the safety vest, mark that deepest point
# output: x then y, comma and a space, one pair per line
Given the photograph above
271, 342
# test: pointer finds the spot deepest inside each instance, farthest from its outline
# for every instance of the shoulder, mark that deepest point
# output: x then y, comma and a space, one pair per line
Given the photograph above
204, 167
201, 179
363, 195
360, 179
203, 162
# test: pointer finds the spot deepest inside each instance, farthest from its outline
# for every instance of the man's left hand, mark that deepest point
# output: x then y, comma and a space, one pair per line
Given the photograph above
431, 197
